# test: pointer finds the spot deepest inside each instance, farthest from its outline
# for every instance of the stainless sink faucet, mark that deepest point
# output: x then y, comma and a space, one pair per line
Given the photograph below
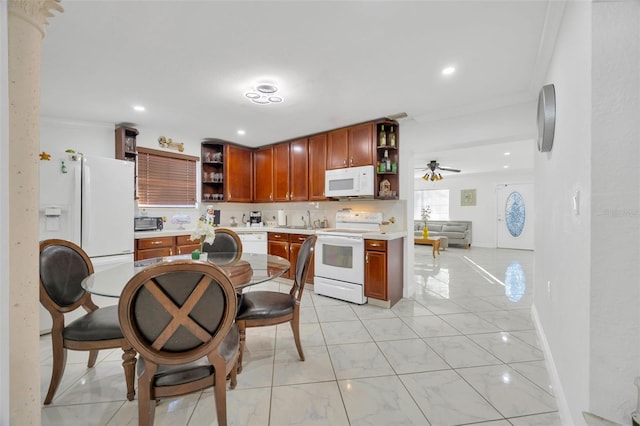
309, 226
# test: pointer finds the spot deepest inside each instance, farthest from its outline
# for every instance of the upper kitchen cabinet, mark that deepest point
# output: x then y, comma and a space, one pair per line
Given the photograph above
387, 160
350, 146
126, 143
263, 174
291, 171
220, 160
317, 166
212, 160
238, 173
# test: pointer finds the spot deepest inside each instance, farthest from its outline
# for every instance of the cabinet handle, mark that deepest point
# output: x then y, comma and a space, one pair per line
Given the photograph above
291, 197
170, 252
156, 242
271, 196
344, 162
367, 258
374, 244
229, 196
351, 161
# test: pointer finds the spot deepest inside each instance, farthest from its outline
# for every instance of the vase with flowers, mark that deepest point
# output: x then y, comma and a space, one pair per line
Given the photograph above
426, 214
205, 233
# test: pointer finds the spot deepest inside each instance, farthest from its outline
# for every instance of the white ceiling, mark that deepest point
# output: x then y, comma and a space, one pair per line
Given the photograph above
337, 63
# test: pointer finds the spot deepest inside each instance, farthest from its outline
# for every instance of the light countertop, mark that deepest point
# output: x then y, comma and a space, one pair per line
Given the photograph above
245, 229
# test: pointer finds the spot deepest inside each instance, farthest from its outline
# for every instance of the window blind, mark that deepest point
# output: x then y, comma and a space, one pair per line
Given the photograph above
166, 179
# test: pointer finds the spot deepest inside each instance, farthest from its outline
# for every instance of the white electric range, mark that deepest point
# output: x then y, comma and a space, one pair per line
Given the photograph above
339, 256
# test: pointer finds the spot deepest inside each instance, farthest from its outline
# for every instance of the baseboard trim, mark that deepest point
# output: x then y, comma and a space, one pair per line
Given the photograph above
561, 400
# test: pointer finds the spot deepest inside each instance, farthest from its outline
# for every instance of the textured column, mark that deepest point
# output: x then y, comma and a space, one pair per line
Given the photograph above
26, 20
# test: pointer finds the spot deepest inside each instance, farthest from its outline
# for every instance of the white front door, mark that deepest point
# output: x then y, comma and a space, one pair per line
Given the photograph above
515, 211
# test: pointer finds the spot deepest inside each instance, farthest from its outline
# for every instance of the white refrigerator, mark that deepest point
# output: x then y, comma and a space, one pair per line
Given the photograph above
89, 201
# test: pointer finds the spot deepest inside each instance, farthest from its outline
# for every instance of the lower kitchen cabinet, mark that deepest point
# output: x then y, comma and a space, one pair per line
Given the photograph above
383, 270
147, 248
288, 245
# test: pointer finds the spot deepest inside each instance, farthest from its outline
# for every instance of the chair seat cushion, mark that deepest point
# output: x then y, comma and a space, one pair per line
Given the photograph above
101, 324
171, 375
264, 304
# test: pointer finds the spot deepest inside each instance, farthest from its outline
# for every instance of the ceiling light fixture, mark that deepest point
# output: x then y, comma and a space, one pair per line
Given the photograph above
448, 70
138, 108
264, 94
507, 153
432, 176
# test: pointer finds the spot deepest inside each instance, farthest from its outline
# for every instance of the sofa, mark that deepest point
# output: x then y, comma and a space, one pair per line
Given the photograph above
458, 232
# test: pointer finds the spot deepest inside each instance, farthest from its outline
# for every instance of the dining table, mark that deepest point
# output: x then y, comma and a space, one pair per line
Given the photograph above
244, 270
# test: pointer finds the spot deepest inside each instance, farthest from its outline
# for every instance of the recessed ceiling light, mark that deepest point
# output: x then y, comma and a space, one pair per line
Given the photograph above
138, 108
241, 132
448, 70
507, 153
506, 167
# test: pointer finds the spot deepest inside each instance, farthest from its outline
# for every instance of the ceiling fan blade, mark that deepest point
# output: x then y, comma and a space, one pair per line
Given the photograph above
449, 169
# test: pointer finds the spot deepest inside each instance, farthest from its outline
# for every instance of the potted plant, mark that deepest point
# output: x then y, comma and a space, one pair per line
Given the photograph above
205, 233
426, 213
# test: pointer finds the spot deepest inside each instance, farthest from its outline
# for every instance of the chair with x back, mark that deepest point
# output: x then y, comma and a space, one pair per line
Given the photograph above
179, 316
226, 247
63, 266
262, 308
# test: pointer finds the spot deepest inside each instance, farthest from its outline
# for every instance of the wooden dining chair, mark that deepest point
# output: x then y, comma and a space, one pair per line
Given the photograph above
226, 247
179, 316
263, 308
63, 266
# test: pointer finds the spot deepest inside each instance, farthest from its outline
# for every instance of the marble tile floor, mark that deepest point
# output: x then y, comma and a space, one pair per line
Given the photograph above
462, 351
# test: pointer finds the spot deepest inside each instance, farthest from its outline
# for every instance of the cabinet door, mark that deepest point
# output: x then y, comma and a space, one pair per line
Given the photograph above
317, 166
299, 170
263, 174
337, 149
375, 275
281, 172
294, 247
151, 253
361, 145
238, 175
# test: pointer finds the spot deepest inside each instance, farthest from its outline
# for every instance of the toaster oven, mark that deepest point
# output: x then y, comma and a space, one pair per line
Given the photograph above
146, 223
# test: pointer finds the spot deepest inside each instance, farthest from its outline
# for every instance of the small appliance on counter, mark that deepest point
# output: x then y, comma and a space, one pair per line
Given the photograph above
255, 218
147, 223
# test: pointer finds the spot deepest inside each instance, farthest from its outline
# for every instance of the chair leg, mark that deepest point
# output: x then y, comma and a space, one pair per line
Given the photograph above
242, 328
129, 366
93, 357
234, 375
220, 391
59, 364
146, 405
295, 327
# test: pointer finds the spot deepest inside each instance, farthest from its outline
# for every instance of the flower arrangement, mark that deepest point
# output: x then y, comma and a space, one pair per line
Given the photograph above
204, 232
426, 214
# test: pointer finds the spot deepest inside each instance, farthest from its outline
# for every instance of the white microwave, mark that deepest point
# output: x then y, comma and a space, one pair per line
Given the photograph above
349, 182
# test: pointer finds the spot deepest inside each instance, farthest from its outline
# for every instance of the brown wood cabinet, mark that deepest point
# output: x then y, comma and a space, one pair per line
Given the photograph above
126, 143
383, 274
263, 174
147, 248
350, 147
185, 246
317, 166
238, 173
212, 162
387, 140
288, 245
291, 171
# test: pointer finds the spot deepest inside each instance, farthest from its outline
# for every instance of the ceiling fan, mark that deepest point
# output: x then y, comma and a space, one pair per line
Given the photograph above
433, 170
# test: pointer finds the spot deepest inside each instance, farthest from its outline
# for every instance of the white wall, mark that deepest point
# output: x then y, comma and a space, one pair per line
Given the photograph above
483, 214
615, 209
586, 279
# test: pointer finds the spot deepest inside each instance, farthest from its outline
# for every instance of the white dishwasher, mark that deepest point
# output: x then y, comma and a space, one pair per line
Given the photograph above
253, 242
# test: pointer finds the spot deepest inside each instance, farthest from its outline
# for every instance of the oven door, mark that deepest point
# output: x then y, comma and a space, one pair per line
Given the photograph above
340, 258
